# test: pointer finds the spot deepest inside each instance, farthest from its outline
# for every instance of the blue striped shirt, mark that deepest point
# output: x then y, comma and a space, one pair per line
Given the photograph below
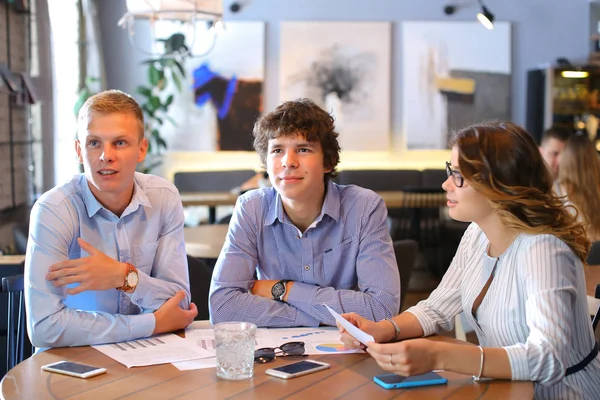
149, 234
345, 259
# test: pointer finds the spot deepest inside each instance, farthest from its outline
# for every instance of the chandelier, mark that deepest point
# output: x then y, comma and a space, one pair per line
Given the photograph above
189, 12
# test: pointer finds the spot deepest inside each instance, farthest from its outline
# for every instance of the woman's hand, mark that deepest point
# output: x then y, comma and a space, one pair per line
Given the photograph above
406, 358
381, 331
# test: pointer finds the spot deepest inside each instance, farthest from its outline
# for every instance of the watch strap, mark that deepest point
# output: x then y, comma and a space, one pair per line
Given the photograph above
283, 282
130, 269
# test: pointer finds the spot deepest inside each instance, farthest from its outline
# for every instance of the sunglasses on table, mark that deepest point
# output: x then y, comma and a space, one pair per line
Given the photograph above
268, 354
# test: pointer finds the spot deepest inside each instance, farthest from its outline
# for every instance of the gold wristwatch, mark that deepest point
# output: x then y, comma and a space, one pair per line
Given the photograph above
131, 278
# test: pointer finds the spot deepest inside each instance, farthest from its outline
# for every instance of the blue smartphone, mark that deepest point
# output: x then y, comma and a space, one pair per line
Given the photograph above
393, 381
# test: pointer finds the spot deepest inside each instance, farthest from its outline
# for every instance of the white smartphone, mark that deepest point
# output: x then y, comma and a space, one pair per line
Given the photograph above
73, 369
297, 369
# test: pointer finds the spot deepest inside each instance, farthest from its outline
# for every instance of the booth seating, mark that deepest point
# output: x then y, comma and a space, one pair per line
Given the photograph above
211, 181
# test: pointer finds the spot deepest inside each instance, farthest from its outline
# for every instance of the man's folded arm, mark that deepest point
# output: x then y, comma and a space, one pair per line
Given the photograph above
378, 294
169, 269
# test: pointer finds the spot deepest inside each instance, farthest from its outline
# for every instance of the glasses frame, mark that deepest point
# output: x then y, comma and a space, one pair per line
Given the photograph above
263, 359
457, 177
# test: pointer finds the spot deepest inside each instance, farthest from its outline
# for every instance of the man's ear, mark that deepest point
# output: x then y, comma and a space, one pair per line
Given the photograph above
78, 151
143, 150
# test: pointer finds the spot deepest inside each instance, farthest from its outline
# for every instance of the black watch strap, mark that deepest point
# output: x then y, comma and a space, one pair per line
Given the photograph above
279, 289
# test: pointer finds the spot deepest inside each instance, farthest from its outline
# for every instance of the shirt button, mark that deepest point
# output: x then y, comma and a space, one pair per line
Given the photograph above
297, 236
307, 267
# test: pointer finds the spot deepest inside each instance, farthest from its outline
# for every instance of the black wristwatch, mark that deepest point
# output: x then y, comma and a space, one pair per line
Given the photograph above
278, 290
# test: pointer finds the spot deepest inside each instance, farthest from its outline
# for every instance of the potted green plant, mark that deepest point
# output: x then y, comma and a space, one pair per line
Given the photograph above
157, 94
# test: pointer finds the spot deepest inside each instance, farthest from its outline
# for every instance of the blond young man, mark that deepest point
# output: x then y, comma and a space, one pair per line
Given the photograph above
106, 257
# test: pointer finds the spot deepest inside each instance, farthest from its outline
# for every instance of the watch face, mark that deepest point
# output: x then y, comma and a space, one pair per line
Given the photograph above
278, 290
132, 279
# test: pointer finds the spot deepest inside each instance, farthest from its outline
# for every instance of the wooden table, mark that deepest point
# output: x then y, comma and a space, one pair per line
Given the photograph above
205, 241
350, 377
12, 259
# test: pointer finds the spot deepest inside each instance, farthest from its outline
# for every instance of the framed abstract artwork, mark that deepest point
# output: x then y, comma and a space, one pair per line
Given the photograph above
223, 91
345, 68
454, 74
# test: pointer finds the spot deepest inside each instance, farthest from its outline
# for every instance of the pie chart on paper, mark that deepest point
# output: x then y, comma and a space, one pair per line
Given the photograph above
331, 347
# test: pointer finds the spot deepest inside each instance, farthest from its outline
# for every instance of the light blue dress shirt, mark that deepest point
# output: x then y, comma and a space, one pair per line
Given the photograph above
149, 235
345, 259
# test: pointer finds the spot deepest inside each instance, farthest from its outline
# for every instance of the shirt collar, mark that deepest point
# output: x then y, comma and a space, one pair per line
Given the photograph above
331, 206
92, 204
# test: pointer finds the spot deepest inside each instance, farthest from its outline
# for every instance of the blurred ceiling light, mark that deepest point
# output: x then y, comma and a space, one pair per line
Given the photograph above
574, 74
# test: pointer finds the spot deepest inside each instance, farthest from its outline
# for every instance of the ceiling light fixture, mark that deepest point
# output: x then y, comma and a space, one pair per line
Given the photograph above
485, 17
575, 74
185, 11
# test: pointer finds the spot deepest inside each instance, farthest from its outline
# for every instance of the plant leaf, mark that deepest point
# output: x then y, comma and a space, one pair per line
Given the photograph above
161, 143
153, 75
154, 103
177, 81
179, 67
161, 84
143, 90
171, 120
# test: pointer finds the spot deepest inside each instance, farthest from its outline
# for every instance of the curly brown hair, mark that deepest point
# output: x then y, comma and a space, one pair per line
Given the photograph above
579, 175
501, 161
299, 117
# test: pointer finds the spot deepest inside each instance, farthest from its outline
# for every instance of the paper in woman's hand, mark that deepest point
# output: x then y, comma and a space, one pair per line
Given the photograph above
359, 335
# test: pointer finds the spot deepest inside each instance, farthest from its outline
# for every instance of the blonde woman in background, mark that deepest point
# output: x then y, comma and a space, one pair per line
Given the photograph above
579, 181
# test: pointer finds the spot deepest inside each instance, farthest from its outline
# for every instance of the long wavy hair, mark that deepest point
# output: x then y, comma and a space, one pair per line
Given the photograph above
501, 161
579, 176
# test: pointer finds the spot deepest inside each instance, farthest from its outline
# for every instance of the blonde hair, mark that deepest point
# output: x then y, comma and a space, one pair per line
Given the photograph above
579, 175
501, 161
109, 102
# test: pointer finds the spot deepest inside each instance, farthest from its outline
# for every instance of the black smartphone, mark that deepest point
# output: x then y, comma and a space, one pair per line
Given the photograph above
393, 381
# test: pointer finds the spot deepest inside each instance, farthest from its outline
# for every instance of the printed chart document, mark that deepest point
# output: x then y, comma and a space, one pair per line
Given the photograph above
321, 340
154, 350
204, 339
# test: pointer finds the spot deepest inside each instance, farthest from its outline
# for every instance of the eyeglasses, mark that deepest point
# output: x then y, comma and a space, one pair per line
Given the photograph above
457, 177
268, 354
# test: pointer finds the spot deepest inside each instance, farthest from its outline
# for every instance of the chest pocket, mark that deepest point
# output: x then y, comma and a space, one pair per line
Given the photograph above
339, 264
143, 256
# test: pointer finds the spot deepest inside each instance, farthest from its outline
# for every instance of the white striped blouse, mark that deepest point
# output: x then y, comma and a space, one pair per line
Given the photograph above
535, 308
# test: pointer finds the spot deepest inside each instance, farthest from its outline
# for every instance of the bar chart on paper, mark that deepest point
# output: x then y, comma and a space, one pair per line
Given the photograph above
138, 344
161, 349
207, 344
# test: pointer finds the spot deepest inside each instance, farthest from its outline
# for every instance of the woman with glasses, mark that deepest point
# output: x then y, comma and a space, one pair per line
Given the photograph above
517, 275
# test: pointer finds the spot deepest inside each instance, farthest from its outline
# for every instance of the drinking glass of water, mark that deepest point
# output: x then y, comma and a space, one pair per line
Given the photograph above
235, 342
